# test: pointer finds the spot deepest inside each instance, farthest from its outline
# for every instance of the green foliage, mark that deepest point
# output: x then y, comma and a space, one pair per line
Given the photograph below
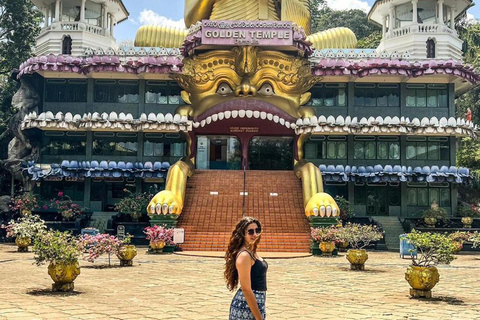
468, 154
437, 213
371, 41
26, 227
475, 239
324, 18
467, 211
134, 204
459, 236
56, 247
359, 236
345, 207
432, 248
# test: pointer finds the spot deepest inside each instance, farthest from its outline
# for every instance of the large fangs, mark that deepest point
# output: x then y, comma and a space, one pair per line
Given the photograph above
241, 113
209, 120
202, 123
234, 114
228, 114
256, 114
263, 115
221, 115
249, 113
275, 119
215, 117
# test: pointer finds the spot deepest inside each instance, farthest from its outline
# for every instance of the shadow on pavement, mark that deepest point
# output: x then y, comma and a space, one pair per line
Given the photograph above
49, 292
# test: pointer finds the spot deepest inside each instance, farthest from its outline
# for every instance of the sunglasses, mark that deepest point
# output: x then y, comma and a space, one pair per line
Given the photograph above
252, 231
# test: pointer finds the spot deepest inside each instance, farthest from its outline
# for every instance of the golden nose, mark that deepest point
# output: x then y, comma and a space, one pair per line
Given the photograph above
245, 90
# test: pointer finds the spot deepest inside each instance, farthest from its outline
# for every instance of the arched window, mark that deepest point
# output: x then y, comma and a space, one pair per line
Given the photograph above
67, 45
430, 48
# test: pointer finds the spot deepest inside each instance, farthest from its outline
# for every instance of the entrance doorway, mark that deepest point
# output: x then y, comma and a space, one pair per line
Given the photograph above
378, 200
219, 152
271, 153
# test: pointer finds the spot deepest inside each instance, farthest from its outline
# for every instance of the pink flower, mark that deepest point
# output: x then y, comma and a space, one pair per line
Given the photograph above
45, 207
60, 193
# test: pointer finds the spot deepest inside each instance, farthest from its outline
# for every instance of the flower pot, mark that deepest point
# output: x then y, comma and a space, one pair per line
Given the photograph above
23, 243
327, 248
157, 246
357, 258
430, 221
25, 212
63, 274
126, 253
467, 222
458, 246
342, 246
422, 280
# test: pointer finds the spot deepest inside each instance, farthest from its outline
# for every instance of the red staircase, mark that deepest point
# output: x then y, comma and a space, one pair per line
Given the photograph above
274, 197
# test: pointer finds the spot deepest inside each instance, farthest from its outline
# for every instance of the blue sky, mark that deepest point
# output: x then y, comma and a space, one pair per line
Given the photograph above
170, 12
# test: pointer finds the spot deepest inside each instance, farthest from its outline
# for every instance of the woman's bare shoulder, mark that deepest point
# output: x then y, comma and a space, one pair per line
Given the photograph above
243, 257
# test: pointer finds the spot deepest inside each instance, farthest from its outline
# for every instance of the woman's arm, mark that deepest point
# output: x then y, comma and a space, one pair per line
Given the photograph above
244, 265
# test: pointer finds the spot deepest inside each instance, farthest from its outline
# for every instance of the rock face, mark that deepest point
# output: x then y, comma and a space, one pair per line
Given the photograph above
4, 201
25, 100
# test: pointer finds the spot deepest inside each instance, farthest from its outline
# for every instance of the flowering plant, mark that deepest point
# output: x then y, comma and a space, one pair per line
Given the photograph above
26, 227
475, 239
55, 247
329, 234
98, 244
134, 204
433, 248
459, 236
468, 211
67, 208
159, 234
345, 207
359, 236
24, 204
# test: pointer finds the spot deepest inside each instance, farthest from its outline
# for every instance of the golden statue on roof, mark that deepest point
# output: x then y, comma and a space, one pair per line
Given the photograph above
297, 11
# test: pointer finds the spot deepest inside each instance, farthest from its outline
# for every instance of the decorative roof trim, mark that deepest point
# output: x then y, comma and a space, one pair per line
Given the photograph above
386, 125
112, 120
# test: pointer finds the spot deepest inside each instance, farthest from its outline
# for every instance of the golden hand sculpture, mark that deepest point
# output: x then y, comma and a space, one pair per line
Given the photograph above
297, 11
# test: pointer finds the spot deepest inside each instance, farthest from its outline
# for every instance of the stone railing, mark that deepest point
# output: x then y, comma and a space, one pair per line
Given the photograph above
420, 28
76, 26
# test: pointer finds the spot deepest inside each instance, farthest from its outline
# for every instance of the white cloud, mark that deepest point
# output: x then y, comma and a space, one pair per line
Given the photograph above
151, 17
348, 4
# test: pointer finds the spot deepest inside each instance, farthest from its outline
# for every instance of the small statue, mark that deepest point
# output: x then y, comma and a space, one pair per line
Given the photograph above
469, 114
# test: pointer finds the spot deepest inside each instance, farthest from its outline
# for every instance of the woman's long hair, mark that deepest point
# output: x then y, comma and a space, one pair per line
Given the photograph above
236, 243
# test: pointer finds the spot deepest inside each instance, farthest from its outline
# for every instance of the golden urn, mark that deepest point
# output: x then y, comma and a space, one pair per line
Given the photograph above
430, 221
63, 274
467, 222
126, 253
157, 245
327, 248
357, 258
23, 243
422, 280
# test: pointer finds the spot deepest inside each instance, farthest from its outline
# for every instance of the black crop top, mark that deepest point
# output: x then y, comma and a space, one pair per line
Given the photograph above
258, 274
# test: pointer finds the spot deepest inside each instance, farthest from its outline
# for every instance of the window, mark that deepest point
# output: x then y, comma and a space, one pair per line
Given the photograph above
421, 195
431, 48
377, 95
171, 147
62, 144
115, 144
431, 95
431, 148
376, 148
59, 90
322, 147
163, 92
118, 91
67, 45
329, 95
74, 190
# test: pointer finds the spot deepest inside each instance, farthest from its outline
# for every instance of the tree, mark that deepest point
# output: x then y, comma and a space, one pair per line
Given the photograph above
324, 18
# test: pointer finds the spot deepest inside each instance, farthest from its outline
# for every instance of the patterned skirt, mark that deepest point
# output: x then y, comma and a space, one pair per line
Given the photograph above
239, 309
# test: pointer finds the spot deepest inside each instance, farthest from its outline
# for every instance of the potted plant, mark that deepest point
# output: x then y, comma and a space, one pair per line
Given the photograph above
475, 239
66, 207
126, 252
24, 230
345, 207
432, 249
467, 213
99, 244
24, 204
61, 250
458, 238
326, 237
159, 237
134, 204
359, 237
433, 215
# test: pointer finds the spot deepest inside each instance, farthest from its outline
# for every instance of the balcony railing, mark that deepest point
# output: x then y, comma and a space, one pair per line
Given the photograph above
77, 26
420, 29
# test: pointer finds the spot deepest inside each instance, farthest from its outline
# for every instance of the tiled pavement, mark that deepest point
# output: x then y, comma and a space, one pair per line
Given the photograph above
189, 287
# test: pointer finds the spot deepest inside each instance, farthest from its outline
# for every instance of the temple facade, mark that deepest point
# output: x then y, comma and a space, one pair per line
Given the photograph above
376, 126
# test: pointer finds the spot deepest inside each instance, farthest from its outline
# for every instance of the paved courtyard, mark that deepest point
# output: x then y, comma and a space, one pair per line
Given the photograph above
192, 287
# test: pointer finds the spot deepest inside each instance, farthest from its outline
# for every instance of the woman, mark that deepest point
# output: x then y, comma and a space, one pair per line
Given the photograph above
243, 264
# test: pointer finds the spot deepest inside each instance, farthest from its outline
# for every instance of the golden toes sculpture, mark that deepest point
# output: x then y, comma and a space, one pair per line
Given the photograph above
297, 11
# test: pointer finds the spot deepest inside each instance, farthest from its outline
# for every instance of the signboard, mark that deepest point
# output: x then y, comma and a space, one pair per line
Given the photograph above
121, 232
179, 235
247, 33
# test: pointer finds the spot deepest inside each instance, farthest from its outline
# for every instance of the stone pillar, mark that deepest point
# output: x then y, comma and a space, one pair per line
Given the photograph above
104, 15
415, 11
47, 17
452, 18
390, 20
57, 11
110, 16
82, 11
440, 11
384, 26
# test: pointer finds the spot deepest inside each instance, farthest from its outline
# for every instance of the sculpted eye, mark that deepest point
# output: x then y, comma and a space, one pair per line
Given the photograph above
224, 88
266, 90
